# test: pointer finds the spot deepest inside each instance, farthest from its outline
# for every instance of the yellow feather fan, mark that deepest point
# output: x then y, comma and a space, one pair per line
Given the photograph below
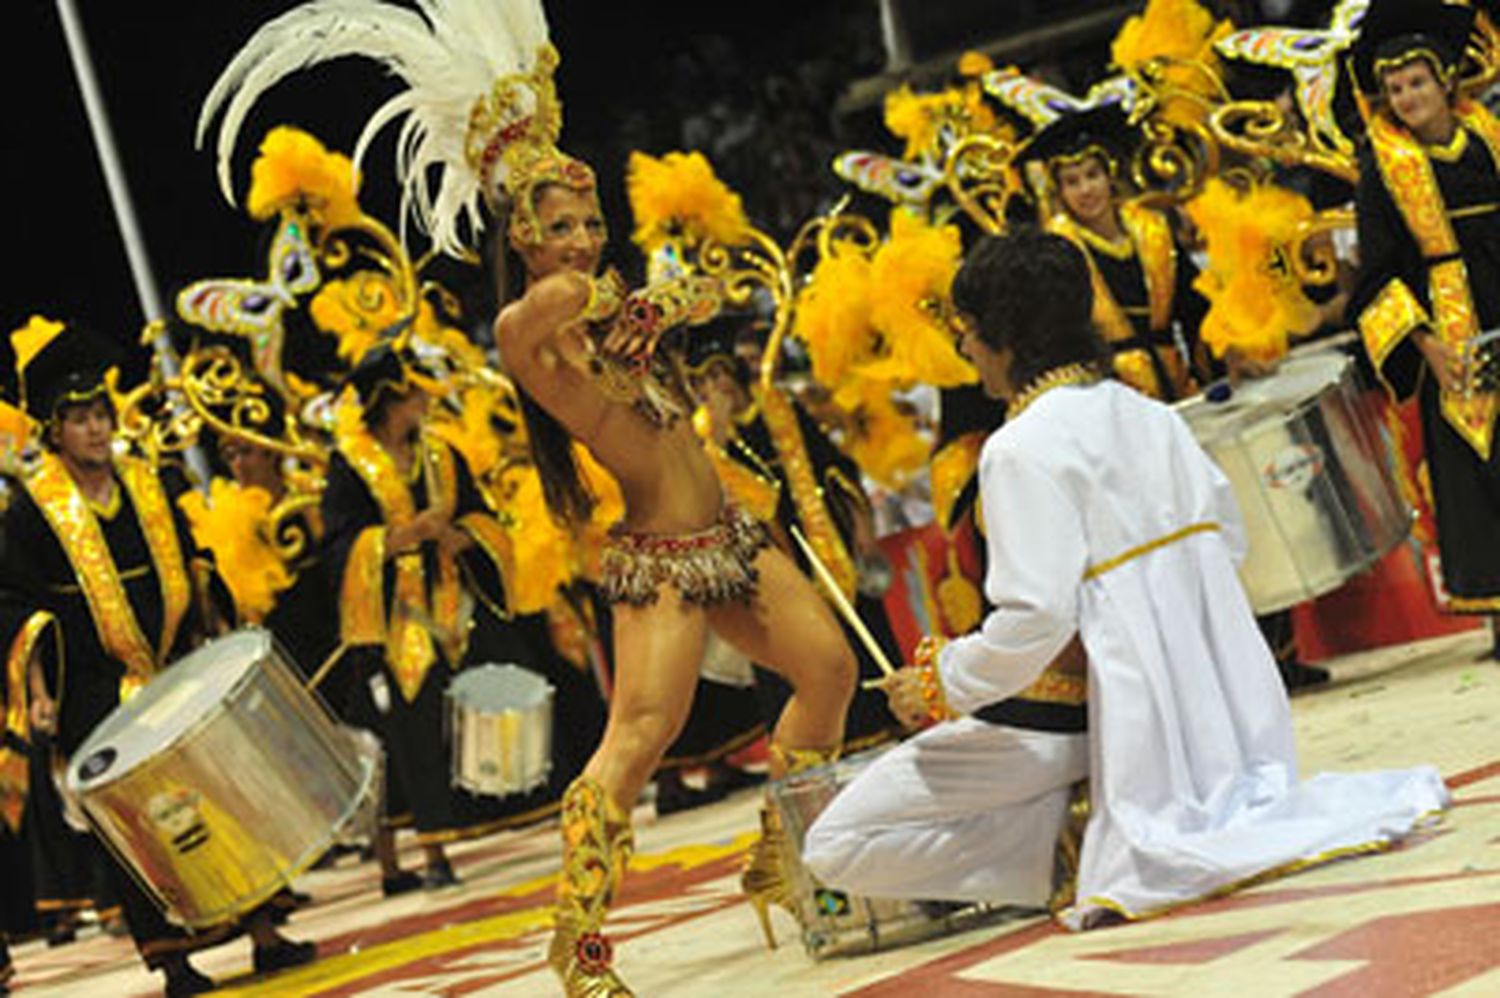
833, 316
294, 167
234, 523
909, 283
679, 194
1256, 301
1183, 33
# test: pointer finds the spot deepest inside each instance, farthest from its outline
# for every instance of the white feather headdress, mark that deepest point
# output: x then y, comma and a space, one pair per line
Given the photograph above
479, 93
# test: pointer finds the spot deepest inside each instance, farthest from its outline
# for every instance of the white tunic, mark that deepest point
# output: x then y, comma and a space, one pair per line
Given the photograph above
1106, 518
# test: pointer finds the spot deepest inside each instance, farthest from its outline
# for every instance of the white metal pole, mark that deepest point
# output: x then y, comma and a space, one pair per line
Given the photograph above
119, 196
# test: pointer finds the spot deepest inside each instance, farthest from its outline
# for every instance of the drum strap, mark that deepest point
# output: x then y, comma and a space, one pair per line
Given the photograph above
79, 533
1407, 173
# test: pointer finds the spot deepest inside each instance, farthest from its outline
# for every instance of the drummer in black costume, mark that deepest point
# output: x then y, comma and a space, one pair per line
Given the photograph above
92, 538
1429, 281
411, 541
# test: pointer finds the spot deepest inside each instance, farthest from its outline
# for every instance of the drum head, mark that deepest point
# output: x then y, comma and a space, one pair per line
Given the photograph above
1297, 381
167, 707
493, 688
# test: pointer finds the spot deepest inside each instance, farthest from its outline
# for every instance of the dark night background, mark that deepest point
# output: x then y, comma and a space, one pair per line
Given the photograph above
769, 90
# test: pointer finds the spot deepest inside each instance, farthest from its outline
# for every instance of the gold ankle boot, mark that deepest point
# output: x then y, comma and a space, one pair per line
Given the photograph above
597, 844
766, 880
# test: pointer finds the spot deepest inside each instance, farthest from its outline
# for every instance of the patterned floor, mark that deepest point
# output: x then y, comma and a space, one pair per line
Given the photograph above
1420, 920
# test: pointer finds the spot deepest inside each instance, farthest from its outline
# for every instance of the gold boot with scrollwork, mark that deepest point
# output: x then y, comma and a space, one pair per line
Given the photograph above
597, 844
766, 880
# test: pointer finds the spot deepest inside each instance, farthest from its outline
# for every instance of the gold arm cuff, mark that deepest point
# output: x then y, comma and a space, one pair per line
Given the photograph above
1394, 315
362, 594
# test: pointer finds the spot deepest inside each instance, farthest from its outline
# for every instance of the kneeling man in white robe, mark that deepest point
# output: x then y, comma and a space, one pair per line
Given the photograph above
1105, 523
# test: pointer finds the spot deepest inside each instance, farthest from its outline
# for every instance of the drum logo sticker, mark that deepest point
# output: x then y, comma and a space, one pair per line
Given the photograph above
1294, 467
177, 818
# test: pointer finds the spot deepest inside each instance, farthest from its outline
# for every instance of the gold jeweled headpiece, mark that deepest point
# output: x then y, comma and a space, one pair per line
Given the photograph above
479, 112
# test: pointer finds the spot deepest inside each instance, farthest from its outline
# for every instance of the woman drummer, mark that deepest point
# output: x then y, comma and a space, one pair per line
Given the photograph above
1429, 281
1144, 302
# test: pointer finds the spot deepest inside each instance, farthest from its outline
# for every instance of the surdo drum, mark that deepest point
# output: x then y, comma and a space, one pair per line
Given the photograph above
1312, 475
838, 924
501, 726
221, 780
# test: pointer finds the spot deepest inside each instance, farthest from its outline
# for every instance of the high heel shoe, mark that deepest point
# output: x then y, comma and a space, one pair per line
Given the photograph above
764, 879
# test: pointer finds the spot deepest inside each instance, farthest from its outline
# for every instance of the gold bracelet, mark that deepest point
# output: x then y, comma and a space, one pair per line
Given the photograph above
925, 659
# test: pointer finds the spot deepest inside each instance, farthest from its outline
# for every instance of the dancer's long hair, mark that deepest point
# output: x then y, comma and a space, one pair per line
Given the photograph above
568, 496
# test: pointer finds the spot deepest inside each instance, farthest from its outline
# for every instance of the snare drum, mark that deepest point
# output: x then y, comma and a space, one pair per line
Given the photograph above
221, 780
501, 724
1312, 475
838, 924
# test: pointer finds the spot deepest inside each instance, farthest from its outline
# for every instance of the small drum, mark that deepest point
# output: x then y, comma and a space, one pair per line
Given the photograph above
1312, 475
834, 923
221, 780
501, 717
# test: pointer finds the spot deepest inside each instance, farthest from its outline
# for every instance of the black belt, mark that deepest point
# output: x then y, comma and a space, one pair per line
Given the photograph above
1037, 715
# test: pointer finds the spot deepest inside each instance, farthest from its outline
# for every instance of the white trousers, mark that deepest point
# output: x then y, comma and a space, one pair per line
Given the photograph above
965, 811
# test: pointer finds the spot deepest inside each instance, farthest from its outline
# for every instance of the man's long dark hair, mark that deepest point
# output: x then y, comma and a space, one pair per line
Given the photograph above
1030, 291
568, 496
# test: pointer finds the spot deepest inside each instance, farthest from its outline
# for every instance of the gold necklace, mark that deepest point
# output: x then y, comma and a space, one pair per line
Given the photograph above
1057, 377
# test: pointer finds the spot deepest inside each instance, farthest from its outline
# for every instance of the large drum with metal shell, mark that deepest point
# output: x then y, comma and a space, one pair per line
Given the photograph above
221, 780
1312, 474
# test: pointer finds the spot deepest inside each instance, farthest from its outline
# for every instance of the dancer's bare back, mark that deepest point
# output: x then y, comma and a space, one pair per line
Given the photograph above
667, 481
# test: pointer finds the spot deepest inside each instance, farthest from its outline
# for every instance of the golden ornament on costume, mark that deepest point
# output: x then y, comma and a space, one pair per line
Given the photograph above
1255, 300
357, 310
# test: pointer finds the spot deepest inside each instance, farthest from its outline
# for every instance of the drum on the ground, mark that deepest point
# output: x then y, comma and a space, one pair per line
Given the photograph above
221, 780
501, 725
1312, 474
838, 924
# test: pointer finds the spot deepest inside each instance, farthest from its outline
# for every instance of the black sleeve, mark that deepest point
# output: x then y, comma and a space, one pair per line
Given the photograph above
1386, 252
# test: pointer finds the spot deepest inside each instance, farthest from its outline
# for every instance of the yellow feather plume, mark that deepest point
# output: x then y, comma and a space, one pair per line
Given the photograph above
909, 283
1183, 33
973, 63
470, 432
884, 440
15, 428
1256, 301
919, 118
234, 523
295, 168
679, 194
833, 316
543, 550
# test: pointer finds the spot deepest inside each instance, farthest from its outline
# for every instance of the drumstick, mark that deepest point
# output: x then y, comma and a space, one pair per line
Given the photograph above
327, 666
841, 603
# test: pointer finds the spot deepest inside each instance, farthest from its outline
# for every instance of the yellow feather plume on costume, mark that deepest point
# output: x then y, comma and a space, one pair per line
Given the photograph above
833, 316
15, 428
974, 63
680, 194
294, 167
543, 549
919, 118
910, 278
470, 432
234, 523
1181, 31
1256, 301
884, 440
